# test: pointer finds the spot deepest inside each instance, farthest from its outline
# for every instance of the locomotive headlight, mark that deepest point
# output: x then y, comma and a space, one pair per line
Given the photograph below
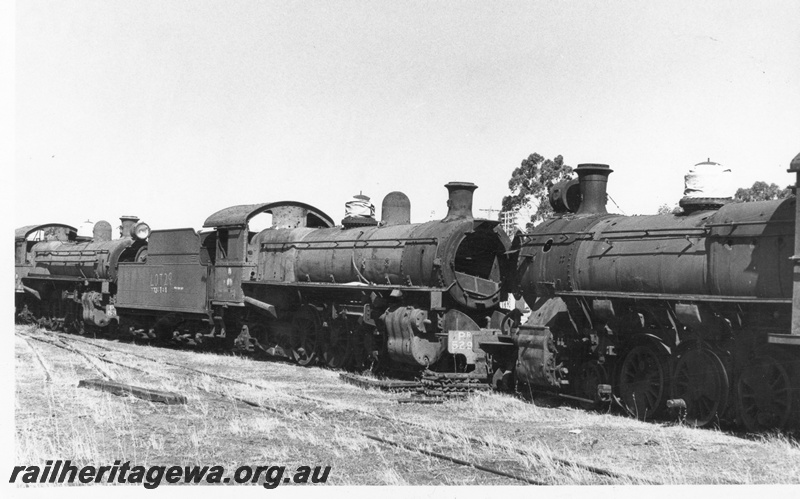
141, 231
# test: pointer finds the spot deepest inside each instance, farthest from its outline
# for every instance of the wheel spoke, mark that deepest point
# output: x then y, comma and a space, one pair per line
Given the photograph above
764, 396
702, 382
642, 382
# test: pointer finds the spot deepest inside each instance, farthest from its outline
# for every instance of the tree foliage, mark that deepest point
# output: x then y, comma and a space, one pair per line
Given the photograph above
666, 209
530, 185
761, 191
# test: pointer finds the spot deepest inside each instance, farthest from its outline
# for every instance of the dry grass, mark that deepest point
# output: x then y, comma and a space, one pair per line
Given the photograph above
59, 421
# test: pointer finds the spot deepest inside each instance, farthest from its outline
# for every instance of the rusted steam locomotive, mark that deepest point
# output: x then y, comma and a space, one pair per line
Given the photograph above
694, 310
69, 281
409, 295
699, 311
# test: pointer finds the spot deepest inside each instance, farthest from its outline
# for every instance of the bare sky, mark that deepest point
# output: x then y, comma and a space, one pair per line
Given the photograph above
171, 110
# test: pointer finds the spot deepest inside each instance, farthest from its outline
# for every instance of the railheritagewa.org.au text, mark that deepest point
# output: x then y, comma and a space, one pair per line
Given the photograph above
60, 472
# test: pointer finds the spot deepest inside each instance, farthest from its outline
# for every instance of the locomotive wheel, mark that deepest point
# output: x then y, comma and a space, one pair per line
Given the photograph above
701, 380
589, 376
306, 329
642, 382
336, 355
336, 352
764, 395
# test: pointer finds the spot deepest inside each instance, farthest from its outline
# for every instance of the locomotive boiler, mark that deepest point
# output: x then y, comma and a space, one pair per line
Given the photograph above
692, 310
411, 296
65, 280
427, 279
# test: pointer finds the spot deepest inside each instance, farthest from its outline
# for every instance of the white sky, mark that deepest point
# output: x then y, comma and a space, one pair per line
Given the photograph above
171, 110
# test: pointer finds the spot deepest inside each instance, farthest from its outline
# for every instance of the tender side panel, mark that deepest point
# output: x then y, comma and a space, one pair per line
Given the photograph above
173, 279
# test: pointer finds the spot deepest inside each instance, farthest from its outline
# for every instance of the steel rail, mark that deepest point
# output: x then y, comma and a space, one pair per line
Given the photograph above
69, 348
411, 448
48, 378
455, 460
592, 469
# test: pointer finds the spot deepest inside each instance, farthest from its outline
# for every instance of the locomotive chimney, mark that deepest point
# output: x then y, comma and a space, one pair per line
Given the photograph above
459, 203
128, 223
396, 209
593, 179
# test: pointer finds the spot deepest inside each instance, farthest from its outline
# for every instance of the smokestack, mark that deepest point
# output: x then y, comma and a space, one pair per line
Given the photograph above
396, 209
593, 179
459, 203
128, 223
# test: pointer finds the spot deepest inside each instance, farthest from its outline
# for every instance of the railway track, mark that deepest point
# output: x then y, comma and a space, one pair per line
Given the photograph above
247, 403
603, 475
48, 377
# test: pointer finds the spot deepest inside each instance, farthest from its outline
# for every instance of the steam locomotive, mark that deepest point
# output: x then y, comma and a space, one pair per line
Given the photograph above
406, 296
64, 280
699, 311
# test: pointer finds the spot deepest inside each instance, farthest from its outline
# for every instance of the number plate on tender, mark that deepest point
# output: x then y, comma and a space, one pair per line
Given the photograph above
460, 342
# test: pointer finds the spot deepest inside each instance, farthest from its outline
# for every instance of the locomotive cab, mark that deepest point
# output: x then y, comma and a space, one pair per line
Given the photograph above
234, 261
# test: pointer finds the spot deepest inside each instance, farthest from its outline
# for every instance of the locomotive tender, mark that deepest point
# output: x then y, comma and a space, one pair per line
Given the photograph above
411, 295
693, 310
